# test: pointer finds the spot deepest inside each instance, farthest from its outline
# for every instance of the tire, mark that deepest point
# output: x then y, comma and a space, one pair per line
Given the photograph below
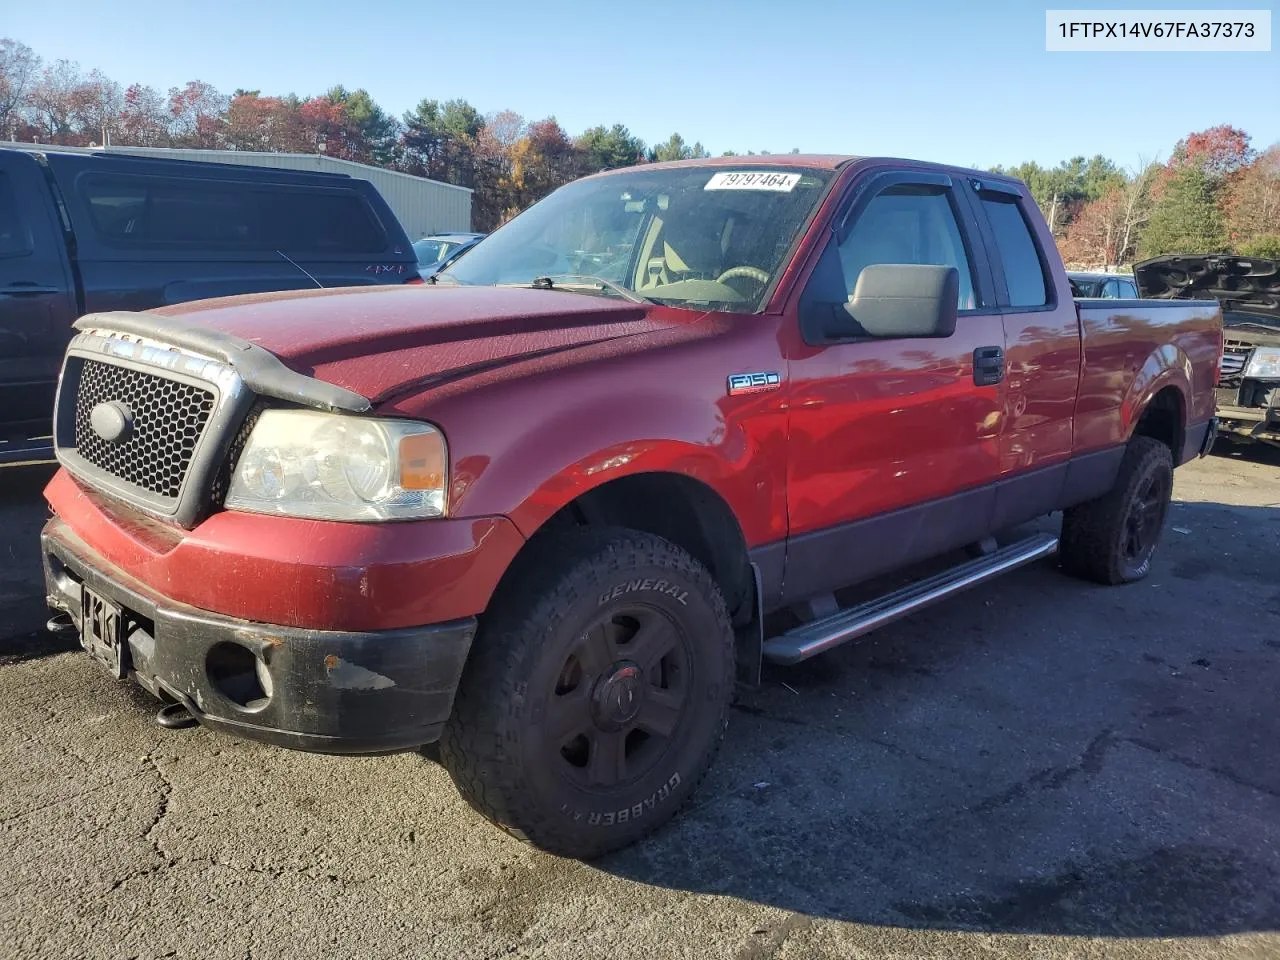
596, 693
1112, 539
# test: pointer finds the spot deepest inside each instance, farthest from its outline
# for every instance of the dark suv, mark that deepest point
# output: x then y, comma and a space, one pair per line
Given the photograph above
87, 233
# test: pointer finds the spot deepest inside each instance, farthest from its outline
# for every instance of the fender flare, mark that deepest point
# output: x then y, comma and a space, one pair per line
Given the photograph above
1166, 366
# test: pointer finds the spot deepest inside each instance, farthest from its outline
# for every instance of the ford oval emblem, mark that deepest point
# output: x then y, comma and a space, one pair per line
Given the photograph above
112, 421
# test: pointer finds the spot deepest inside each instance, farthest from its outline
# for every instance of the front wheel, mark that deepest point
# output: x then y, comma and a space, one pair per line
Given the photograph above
596, 692
1113, 538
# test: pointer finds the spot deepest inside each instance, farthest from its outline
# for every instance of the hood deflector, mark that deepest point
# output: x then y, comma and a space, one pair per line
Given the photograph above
261, 370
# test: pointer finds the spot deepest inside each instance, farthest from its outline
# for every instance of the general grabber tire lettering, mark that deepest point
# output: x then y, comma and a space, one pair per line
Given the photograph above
596, 693
1112, 539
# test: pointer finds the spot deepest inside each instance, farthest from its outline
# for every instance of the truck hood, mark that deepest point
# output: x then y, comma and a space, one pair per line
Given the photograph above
381, 341
1245, 286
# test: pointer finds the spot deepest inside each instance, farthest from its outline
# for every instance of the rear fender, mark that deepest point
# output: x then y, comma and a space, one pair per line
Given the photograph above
1166, 365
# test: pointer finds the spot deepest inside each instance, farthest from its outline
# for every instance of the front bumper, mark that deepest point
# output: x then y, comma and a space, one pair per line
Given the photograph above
1250, 407
318, 690
1258, 423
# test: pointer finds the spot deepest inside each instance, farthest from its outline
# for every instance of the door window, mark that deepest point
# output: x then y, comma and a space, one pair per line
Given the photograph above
15, 235
908, 223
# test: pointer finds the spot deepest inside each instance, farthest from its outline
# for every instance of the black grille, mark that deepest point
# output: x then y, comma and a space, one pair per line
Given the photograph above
168, 419
222, 480
1235, 355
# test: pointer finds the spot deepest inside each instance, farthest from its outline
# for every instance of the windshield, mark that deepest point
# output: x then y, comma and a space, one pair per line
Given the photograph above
710, 238
1082, 287
432, 251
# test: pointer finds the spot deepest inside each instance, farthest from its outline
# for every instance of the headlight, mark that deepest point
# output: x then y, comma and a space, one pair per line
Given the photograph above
302, 463
1264, 364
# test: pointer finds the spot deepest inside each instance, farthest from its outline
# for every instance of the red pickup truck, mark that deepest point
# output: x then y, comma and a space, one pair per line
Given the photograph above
542, 509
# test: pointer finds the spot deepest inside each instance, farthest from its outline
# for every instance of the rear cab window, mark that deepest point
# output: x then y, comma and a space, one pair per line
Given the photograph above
222, 215
1016, 249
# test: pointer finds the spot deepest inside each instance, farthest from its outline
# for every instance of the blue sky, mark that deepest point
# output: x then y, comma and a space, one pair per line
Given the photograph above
936, 80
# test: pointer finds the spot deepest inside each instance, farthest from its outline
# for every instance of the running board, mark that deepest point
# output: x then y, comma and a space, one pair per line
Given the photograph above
810, 639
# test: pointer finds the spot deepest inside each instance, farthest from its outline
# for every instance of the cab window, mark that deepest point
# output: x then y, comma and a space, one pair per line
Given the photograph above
908, 223
15, 237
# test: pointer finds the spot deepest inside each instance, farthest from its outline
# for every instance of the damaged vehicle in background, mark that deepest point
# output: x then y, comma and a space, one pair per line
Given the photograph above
1248, 288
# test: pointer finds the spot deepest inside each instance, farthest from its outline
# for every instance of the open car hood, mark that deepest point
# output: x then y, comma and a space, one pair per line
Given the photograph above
1243, 285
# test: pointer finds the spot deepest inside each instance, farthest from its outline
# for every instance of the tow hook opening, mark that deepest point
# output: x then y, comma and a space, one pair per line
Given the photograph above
237, 673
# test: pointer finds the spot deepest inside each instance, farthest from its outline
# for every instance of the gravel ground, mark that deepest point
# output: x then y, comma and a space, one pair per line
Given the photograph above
1038, 768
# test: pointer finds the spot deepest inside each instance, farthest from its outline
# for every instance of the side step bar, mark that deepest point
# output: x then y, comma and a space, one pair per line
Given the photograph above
810, 639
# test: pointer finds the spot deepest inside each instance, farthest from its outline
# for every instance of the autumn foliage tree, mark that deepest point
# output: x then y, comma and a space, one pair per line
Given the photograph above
1253, 207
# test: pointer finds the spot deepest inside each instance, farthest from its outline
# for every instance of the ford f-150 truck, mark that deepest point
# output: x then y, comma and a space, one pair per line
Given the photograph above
1249, 290
542, 509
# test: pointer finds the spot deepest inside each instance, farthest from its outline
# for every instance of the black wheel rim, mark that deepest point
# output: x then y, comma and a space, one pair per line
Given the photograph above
620, 697
1145, 518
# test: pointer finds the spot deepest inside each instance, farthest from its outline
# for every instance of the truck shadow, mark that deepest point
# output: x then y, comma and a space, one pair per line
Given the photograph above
1252, 452
22, 608
1037, 756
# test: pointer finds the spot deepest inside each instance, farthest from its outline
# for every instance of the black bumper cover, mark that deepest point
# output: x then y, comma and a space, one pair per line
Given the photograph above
331, 692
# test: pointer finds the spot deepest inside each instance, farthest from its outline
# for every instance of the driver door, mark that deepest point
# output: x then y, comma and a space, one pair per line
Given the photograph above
894, 444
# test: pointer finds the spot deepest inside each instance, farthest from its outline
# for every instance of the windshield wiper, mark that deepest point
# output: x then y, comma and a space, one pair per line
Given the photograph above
577, 280
435, 278
1257, 325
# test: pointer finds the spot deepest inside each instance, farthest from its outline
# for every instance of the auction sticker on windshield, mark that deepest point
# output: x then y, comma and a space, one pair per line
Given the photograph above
753, 180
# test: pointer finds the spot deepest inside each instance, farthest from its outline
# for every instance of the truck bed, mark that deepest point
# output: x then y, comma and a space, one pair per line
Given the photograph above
1130, 346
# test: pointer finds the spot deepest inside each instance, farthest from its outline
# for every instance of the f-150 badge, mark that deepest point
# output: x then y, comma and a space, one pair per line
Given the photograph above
753, 382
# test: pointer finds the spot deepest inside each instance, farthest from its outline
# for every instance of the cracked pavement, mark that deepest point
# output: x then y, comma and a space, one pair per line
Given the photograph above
1038, 768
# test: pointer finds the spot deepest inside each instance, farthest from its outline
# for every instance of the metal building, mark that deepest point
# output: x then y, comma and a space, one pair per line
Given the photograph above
422, 206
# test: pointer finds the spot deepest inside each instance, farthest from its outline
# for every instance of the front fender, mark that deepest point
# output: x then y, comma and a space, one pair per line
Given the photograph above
730, 447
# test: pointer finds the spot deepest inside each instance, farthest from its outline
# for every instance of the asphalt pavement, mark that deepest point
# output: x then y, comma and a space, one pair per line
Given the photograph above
1038, 768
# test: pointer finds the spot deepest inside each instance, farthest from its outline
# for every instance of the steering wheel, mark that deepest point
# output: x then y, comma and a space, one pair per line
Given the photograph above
754, 273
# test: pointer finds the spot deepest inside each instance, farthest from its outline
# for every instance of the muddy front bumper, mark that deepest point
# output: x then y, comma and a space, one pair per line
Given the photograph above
318, 690
1256, 423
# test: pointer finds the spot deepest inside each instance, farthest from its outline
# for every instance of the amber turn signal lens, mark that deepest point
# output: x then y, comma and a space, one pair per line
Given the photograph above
421, 462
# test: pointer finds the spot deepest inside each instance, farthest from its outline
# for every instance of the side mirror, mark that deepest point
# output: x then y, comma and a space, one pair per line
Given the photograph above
899, 300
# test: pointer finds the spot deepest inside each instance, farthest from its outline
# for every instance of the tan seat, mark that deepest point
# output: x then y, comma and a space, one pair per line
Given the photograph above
690, 251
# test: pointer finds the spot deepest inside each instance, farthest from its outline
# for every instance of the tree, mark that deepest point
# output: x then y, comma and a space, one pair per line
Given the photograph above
19, 67
1062, 190
365, 132
1267, 246
1219, 151
52, 102
196, 114
1137, 206
1093, 238
440, 140
1186, 218
96, 106
541, 161
676, 149
1252, 206
144, 118
608, 149
267, 124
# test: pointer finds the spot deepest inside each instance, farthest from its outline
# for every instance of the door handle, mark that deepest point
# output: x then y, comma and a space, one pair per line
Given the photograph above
27, 289
988, 366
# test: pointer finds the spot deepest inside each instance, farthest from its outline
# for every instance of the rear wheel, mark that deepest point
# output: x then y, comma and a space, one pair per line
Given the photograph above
1113, 538
596, 692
